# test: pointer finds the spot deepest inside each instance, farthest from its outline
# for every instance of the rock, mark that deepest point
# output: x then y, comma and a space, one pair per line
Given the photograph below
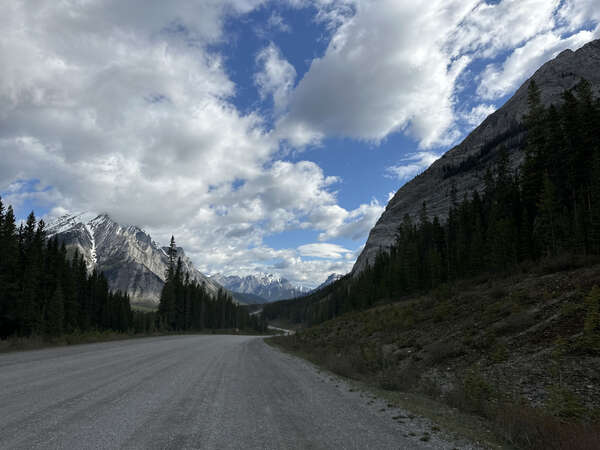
130, 260
502, 128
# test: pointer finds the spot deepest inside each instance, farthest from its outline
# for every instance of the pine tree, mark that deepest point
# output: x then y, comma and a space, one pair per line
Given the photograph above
172, 253
547, 224
595, 205
55, 313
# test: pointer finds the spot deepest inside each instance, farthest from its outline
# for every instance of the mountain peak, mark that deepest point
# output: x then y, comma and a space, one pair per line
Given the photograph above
462, 167
269, 286
127, 255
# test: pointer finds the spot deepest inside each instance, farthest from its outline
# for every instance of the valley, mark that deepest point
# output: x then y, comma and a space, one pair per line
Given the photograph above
302, 224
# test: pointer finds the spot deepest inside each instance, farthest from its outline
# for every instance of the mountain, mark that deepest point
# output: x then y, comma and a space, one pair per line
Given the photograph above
330, 279
268, 286
465, 165
129, 258
249, 299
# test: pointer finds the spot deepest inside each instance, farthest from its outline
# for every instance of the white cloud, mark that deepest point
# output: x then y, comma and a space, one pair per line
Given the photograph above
478, 114
577, 13
126, 108
395, 66
276, 77
276, 22
323, 250
489, 28
340, 223
499, 80
381, 73
412, 165
122, 108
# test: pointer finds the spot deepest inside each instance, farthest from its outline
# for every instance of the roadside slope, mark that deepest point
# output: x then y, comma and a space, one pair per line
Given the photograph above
522, 350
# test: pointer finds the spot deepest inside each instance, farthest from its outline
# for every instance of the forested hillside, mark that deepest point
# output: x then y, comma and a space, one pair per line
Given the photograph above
494, 311
186, 305
43, 292
550, 206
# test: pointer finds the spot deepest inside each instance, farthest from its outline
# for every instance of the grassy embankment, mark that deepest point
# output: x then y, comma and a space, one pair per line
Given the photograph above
520, 351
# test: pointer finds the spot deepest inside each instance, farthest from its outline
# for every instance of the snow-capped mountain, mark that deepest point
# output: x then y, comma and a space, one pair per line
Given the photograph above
130, 259
330, 279
268, 286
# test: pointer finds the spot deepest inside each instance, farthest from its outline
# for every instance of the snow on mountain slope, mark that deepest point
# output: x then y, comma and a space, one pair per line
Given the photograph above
129, 258
268, 286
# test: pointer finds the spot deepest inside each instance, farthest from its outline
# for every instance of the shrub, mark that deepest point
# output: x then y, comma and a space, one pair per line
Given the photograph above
565, 404
591, 325
526, 427
473, 393
499, 353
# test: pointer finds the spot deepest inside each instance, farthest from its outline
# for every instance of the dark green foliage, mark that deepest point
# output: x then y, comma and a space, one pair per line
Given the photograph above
43, 292
549, 207
591, 327
187, 306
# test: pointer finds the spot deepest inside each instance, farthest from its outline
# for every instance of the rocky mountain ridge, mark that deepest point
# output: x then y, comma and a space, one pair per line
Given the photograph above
330, 279
268, 286
127, 255
462, 168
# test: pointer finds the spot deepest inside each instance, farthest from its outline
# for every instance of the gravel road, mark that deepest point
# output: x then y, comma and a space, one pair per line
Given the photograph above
213, 392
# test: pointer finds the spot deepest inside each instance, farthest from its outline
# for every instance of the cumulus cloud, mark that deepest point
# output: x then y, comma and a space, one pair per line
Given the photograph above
323, 250
578, 13
500, 79
412, 165
395, 66
127, 108
124, 108
478, 113
341, 223
276, 77
380, 74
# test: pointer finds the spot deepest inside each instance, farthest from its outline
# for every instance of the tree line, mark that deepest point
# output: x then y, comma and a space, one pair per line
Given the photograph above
45, 292
186, 305
548, 206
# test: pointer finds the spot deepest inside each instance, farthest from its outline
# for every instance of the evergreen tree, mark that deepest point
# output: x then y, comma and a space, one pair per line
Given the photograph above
550, 205
547, 224
55, 313
594, 205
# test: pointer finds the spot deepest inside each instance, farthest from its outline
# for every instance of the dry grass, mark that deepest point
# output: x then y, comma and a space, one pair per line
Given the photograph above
485, 346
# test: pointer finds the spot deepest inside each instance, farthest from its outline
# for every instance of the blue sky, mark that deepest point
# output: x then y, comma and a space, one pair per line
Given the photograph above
267, 136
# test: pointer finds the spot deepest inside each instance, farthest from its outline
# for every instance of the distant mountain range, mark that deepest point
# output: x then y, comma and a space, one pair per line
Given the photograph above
134, 263
267, 287
127, 255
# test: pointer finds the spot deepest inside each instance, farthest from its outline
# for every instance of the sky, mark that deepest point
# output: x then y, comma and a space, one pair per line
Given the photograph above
266, 136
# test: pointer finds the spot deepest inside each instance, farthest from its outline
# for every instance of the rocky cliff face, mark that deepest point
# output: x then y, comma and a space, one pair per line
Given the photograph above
330, 280
268, 286
131, 261
464, 165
